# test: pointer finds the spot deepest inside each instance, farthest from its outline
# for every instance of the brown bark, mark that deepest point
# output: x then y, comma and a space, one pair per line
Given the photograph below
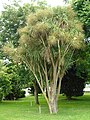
46, 92
36, 92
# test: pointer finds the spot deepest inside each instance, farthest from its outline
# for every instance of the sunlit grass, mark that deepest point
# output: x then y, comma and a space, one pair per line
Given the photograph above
25, 109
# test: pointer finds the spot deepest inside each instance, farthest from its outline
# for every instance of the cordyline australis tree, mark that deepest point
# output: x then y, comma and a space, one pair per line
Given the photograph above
46, 46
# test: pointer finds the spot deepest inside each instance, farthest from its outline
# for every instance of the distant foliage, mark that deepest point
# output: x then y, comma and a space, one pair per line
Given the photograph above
82, 8
5, 84
73, 83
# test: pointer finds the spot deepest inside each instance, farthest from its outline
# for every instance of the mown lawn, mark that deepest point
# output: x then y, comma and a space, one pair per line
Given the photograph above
25, 109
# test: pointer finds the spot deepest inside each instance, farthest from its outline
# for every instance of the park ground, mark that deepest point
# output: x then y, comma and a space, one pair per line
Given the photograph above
25, 109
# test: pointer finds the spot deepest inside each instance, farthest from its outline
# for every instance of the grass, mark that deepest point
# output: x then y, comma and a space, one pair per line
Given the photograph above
25, 109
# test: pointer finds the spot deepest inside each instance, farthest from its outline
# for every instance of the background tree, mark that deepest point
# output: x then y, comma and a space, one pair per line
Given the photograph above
76, 76
5, 84
46, 46
12, 18
82, 8
16, 80
81, 70
73, 83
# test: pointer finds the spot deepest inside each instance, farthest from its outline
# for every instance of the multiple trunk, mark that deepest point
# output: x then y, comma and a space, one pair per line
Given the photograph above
52, 88
50, 77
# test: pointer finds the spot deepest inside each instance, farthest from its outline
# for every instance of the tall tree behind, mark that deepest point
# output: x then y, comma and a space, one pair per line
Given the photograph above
82, 9
13, 17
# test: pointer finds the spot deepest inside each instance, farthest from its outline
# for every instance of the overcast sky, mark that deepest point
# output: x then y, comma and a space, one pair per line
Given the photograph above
50, 2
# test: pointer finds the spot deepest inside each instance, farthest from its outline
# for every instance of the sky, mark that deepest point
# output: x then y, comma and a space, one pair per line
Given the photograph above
50, 2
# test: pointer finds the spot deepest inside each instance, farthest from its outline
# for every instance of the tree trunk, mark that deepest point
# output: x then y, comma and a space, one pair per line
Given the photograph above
46, 92
53, 100
69, 97
36, 92
53, 106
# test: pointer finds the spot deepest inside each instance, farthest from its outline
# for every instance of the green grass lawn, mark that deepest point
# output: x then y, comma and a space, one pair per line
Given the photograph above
25, 109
